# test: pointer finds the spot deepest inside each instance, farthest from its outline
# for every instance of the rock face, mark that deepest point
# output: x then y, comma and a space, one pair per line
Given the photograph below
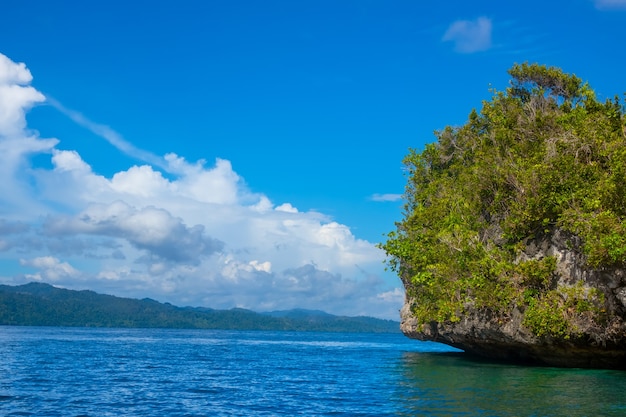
479, 332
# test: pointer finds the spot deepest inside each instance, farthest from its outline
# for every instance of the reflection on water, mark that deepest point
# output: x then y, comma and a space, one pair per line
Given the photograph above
455, 385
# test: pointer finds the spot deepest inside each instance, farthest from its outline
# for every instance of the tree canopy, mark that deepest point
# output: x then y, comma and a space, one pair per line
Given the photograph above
544, 154
39, 304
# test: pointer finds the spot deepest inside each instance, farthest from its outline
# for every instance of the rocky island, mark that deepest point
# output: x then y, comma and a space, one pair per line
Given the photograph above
513, 240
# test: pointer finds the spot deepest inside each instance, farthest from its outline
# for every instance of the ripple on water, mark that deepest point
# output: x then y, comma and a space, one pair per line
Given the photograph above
139, 372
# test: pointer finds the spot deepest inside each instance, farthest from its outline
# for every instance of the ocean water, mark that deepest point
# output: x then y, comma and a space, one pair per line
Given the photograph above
155, 372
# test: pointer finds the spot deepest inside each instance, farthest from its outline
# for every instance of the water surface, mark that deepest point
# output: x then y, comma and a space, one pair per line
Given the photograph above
156, 372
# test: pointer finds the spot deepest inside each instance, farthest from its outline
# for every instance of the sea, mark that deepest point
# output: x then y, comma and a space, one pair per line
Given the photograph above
51, 371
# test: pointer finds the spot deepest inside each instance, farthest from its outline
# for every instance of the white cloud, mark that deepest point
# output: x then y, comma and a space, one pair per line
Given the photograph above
386, 197
16, 142
470, 36
13, 73
149, 228
50, 268
219, 185
396, 295
69, 161
16, 96
287, 208
610, 4
141, 181
197, 236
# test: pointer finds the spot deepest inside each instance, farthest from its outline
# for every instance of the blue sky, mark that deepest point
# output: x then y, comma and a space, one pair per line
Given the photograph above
246, 153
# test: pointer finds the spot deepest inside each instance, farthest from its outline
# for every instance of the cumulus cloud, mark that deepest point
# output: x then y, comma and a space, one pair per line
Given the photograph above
470, 36
148, 228
17, 143
286, 207
196, 236
13, 73
16, 96
610, 4
50, 269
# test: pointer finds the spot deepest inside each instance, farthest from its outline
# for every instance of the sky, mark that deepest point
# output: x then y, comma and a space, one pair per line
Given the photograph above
245, 153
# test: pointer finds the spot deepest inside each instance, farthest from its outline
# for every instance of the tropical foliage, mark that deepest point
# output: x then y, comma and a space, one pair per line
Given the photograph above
543, 155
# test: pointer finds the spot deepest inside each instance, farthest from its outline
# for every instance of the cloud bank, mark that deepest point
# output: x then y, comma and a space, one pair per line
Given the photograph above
196, 236
469, 36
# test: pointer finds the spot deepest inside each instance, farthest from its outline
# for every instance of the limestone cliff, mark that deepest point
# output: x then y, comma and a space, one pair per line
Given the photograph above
512, 243
594, 345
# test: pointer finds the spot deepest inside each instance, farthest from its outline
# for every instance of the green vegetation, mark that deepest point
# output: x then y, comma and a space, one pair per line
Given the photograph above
37, 304
542, 156
550, 312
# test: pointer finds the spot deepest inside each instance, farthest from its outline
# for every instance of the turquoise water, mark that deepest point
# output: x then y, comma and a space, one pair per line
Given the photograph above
153, 372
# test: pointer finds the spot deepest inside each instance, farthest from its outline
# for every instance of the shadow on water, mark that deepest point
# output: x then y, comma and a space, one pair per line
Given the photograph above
455, 384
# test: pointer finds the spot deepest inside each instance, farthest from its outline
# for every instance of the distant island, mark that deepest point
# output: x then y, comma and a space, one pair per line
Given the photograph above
39, 304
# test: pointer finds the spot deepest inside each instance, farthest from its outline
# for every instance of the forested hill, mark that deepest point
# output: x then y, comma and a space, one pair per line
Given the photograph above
38, 304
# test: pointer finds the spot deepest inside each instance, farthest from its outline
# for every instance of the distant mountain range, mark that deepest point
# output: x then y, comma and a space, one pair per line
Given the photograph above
38, 304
